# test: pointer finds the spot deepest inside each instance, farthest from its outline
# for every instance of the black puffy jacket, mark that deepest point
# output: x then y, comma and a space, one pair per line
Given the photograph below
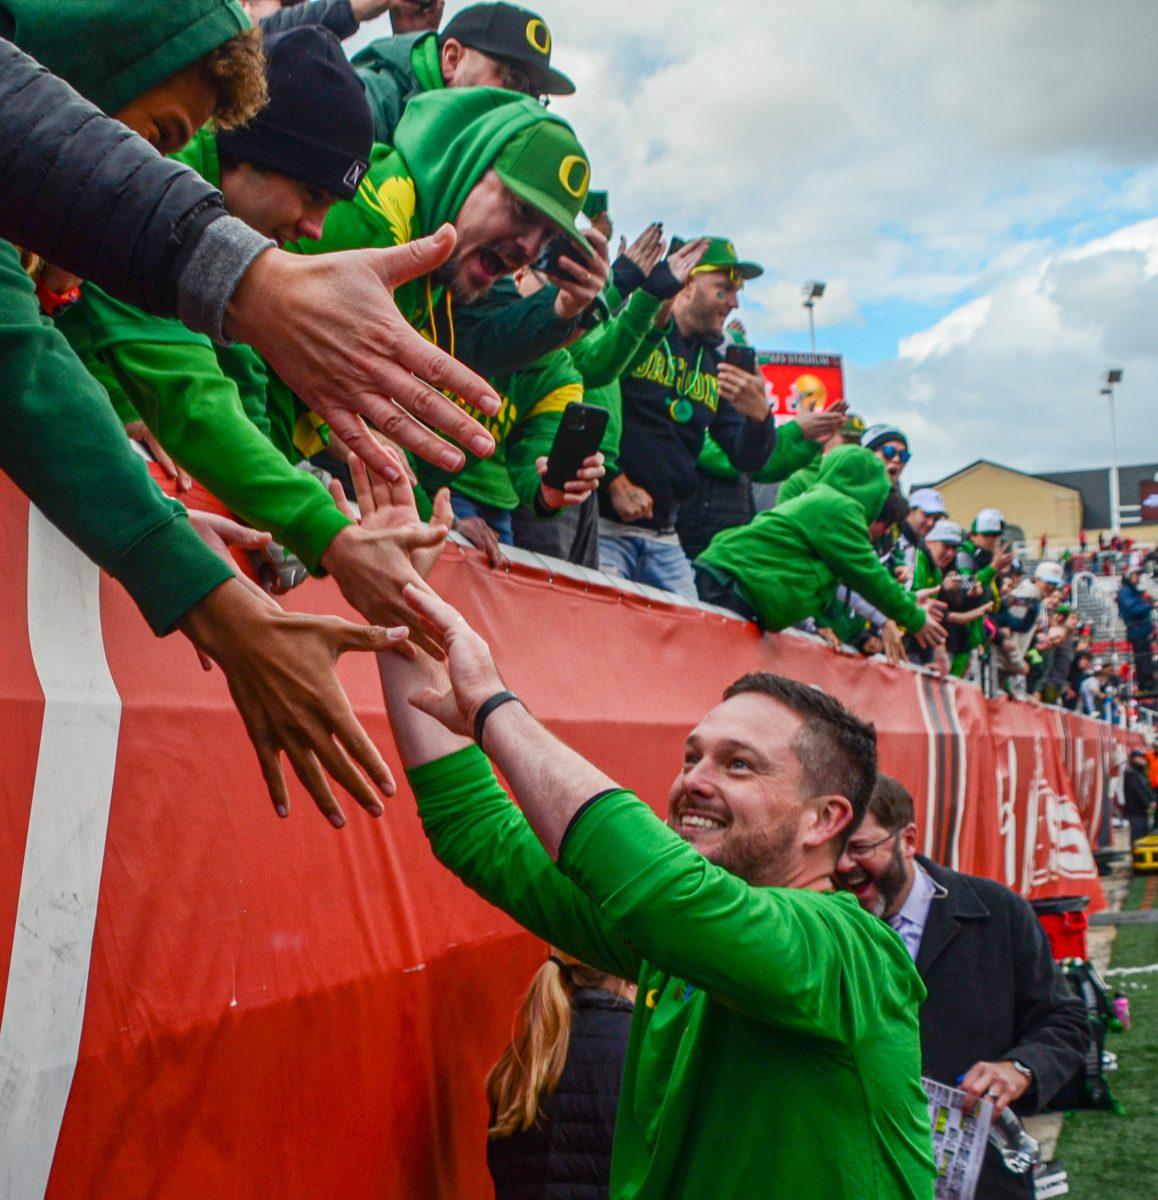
569, 1156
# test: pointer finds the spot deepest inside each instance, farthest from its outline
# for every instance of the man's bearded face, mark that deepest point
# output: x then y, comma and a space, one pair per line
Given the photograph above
497, 234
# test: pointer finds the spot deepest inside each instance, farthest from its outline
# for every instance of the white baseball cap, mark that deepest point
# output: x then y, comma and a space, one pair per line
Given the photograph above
1050, 572
929, 501
989, 520
948, 532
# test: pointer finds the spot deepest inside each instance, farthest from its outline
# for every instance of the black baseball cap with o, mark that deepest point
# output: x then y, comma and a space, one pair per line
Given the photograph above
515, 36
317, 127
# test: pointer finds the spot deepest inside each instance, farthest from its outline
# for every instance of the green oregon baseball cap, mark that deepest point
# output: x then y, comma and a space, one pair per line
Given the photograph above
545, 166
721, 256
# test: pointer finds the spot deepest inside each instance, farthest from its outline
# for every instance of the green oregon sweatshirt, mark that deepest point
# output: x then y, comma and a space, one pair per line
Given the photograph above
774, 1051
394, 70
110, 50
216, 410
788, 560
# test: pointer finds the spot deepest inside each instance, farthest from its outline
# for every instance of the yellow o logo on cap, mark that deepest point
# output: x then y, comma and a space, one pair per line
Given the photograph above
567, 175
539, 36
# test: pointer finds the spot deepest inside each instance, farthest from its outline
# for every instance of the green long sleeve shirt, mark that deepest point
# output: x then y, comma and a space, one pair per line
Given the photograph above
64, 448
774, 1049
222, 426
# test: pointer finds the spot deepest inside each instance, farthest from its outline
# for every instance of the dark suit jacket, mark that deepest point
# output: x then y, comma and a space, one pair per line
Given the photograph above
995, 993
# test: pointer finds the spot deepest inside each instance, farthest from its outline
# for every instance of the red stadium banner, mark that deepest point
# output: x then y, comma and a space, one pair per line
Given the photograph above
201, 1000
795, 381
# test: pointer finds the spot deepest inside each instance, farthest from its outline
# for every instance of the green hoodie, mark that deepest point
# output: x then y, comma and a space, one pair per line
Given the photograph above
394, 70
445, 143
799, 481
533, 401
215, 409
112, 51
788, 560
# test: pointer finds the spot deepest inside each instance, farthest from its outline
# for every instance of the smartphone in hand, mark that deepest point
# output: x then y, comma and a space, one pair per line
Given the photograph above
743, 357
578, 437
555, 249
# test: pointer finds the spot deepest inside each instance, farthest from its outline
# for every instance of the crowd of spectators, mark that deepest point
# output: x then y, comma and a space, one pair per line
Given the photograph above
523, 315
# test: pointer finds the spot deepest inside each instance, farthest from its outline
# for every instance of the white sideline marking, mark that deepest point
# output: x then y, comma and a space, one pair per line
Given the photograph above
1117, 971
48, 977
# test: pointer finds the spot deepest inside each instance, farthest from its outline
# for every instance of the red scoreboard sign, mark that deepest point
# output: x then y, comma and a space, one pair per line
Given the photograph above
796, 381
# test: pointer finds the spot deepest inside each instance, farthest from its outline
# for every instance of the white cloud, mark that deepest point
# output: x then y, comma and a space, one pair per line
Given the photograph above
1014, 375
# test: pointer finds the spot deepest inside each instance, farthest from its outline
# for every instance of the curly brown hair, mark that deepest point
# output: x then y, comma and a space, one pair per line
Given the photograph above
237, 69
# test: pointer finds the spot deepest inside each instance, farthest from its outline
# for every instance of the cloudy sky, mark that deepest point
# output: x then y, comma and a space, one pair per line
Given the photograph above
975, 180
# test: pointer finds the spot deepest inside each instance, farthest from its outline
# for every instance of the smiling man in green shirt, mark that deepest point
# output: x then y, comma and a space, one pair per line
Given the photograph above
774, 1049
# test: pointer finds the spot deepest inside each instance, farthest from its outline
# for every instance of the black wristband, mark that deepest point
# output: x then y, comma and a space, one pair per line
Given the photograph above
662, 283
486, 708
627, 274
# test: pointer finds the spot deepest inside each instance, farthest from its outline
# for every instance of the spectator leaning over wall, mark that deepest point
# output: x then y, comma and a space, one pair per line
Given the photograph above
784, 566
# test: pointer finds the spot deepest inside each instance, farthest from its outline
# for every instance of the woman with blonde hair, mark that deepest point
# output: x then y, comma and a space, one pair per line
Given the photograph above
554, 1091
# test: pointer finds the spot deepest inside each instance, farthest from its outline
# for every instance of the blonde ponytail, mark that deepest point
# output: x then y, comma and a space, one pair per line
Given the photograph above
530, 1067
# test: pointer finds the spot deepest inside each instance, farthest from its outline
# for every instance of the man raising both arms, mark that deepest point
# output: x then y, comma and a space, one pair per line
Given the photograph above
774, 1051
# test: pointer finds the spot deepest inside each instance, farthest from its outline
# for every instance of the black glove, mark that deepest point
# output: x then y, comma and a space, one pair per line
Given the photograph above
626, 275
662, 283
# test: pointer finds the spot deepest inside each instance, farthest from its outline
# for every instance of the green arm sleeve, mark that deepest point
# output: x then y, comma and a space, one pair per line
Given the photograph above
604, 354
477, 833
506, 332
66, 451
805, 961
792, 451
842, 543
196, 414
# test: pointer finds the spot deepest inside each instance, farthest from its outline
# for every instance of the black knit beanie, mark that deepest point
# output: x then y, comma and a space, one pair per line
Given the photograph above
317, 127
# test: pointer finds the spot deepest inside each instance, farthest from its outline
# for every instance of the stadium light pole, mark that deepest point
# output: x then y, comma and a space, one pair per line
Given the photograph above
1113, 376
813, 290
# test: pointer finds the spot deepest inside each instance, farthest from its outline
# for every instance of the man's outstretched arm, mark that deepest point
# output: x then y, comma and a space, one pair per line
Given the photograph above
792, 957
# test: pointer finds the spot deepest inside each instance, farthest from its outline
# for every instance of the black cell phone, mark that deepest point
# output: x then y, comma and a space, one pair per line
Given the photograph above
743, 357
555, 249
674, 245
578, 437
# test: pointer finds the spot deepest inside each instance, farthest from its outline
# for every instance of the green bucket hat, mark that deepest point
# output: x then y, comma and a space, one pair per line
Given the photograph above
721, 256
545, 166
853, 425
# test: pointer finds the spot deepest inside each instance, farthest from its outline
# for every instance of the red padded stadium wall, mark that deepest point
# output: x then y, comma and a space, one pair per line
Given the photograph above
277, 1009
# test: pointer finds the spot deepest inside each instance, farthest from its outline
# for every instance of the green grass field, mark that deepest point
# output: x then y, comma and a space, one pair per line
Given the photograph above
1112, 1157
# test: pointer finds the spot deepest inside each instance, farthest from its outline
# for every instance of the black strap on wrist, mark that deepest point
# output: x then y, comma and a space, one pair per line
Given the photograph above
486, 708
662, 283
